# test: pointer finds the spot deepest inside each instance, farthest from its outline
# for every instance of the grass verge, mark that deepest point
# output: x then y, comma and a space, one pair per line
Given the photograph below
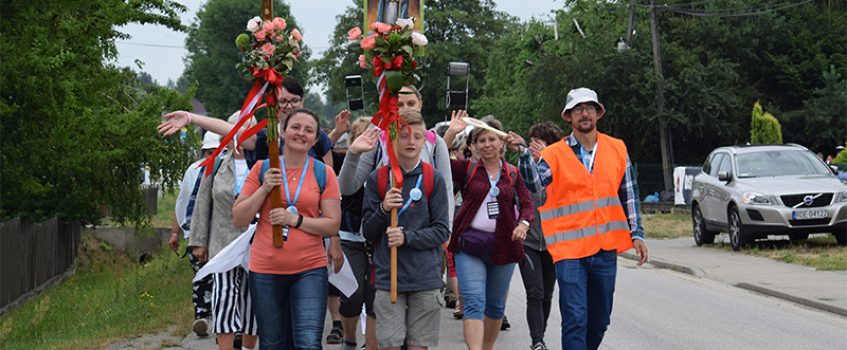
822, 253
111, 297
663, 226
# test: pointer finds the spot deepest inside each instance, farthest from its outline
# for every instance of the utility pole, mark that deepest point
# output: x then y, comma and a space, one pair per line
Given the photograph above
667, 171
631, 25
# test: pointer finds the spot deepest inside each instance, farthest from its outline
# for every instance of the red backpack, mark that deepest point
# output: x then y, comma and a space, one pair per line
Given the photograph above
382, 177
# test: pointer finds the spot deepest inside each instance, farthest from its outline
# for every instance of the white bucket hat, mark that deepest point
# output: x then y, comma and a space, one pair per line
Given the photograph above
211, 140
581, 95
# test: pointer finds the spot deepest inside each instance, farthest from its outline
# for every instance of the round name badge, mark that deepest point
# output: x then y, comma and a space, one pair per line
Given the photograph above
292, 209
416, 194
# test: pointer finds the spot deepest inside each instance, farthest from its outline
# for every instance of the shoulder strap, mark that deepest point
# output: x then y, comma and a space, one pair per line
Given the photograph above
319, 169
512, 173
428, 178
266, 164
382, 181
469, 173
217, 165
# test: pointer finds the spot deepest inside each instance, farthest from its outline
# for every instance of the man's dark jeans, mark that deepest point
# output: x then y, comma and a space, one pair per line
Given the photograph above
586, 288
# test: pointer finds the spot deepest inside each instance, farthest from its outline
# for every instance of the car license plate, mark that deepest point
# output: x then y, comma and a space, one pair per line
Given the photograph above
809, 214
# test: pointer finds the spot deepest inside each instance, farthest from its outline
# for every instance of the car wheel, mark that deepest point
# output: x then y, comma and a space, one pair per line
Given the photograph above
701, 235
798, 236
736, 230
840, 237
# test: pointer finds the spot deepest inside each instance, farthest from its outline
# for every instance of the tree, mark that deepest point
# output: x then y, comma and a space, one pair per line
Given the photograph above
764, 128
76, 130
212, 54
822, 121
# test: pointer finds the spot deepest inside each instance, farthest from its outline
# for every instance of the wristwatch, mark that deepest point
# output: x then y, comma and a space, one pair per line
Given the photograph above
525, 222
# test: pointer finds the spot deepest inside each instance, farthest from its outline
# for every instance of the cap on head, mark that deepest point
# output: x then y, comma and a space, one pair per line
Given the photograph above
211, 140
581, 95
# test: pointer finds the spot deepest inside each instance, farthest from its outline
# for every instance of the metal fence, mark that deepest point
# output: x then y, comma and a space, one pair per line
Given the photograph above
34, 256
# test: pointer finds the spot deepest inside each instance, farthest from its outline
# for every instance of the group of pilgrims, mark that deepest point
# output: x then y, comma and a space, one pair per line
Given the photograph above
466, 219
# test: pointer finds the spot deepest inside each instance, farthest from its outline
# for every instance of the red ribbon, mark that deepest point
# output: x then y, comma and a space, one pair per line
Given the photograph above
379, 66
387, 115
269, 75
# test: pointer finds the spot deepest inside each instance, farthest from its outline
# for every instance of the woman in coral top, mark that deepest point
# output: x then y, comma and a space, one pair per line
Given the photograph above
289, 284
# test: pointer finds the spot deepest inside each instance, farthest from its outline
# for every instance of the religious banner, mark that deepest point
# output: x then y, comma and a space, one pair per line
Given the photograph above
389, 11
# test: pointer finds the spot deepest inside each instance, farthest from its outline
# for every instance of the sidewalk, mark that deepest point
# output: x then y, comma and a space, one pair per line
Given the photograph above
823, 290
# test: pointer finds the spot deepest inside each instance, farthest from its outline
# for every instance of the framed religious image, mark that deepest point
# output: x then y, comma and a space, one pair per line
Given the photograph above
388, 11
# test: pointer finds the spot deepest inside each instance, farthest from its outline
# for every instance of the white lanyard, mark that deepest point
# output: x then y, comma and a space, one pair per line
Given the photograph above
583, 152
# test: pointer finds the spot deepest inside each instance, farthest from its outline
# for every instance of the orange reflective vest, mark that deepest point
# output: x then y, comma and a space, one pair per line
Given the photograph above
583, 213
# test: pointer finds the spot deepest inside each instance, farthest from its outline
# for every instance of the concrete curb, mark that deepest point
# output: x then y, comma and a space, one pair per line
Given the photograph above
697, 272
798, 300
664, 264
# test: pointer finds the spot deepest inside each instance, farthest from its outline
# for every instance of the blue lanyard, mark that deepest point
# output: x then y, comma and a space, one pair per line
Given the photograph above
299, 185
409, 201
494, 191
239, 180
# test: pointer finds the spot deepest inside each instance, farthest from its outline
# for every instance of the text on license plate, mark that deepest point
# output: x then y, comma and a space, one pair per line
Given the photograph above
809, 214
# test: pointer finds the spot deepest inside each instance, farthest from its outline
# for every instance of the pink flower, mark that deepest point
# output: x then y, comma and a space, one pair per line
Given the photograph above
354, 33
279, 38
296, 34
268, 26
268, 49
363, 62
380, 27
279, 23
368, 42
260, 35
384, 28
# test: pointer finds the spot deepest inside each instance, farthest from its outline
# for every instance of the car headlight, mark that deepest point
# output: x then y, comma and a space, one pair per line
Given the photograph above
756, 198
841, 197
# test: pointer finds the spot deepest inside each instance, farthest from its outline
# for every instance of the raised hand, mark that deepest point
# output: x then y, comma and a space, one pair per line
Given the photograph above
513, 140
365, 142
535, 148
342, 121
174, 121
456, 122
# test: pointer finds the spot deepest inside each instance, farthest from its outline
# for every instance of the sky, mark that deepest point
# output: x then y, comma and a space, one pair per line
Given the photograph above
160, 50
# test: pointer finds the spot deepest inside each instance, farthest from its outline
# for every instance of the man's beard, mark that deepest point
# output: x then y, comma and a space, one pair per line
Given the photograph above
584, 130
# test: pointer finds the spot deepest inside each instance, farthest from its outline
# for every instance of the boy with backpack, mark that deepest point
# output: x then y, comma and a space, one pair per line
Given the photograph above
423, 218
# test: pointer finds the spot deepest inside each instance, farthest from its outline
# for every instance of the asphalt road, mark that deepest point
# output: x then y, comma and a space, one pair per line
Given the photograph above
661, 309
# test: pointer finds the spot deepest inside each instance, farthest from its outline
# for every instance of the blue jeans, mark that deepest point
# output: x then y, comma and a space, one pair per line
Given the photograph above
483, 286
586, 288
290, 309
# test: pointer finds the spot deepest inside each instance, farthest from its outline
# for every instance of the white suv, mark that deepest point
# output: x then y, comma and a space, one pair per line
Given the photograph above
760, 190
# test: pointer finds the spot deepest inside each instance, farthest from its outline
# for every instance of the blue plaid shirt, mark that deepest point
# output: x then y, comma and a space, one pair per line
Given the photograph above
538, 175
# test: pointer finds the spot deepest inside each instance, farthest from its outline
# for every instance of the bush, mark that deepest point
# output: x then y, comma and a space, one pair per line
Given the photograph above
764, 128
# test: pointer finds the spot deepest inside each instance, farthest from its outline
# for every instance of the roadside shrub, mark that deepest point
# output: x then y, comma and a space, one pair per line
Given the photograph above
764, 128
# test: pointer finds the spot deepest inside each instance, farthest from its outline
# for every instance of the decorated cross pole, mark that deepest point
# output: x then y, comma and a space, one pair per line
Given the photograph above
391, 51
273, 137
268, 54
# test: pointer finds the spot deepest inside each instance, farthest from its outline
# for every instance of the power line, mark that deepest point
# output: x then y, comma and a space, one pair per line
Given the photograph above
672, 8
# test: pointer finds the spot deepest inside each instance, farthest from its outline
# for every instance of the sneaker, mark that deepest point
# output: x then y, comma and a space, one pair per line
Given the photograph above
201, 327
505, 325
538, 346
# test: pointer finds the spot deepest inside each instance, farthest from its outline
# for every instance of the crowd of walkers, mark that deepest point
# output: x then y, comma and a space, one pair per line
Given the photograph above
466, 218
